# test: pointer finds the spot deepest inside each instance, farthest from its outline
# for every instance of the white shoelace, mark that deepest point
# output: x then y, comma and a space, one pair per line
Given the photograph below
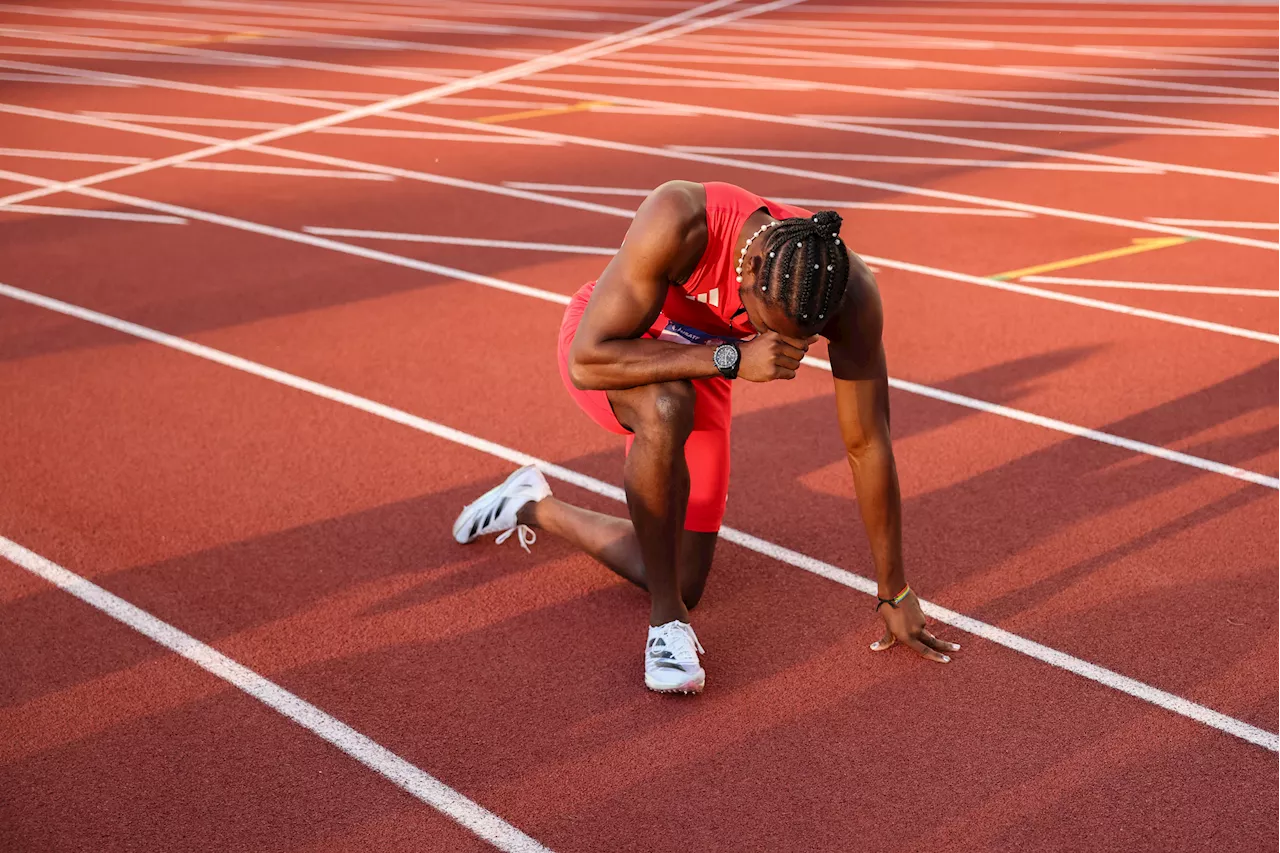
524, 534
680, 640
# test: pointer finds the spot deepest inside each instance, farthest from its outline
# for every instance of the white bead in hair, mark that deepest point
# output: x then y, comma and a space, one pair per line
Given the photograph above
742, 256
830, 267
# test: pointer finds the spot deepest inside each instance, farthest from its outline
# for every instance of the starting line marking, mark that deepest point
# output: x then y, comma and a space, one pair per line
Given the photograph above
1140, 244
1053, 657
581, 106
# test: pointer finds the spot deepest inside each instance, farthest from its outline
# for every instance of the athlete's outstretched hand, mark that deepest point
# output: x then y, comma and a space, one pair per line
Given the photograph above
770, 356
905, 623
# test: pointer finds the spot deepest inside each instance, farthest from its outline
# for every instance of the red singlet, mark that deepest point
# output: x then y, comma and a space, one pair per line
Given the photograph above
706, 307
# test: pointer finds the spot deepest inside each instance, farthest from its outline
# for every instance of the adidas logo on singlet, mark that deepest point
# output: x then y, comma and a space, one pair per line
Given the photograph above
711, 297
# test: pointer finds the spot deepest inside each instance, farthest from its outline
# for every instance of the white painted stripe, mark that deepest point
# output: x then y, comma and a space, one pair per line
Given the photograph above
637, 36
755, 166
923, 161
244, 124
803, 202
341, 95
1086, 73
371, 754
81, 213
1046, 294
881, 185
1218, 223
1219, 100
130, 56
1140, 285
1054, 29
1061, 660
42, 154
435, 74
1114, 307
1049, 71
1130, 129
53, 78
286, 170
670, 82
562, 299
447, 240
315, 158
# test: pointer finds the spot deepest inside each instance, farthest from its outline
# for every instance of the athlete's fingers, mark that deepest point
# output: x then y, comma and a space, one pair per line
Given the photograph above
787, 362
925, 652
790, 351
785, 373
940, 645
885, 642
799, 343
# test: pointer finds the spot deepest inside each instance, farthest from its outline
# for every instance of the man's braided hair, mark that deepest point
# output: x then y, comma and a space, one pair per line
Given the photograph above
805, 267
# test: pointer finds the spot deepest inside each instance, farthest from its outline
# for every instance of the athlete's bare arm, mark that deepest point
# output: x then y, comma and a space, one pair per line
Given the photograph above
862, 405
665, 242
608, 351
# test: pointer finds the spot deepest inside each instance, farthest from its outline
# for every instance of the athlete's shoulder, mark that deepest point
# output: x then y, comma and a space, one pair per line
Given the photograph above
670, 229
678, 204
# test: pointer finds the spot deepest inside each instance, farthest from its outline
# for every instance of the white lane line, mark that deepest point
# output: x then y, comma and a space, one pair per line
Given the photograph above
341, 95
129, 56
644, 34
320, 39
315, 158
1219, 223
379, 132
1128, 129
80, 213
285, 170
562, 299
923, 161
1142, 285
368, 752
1055, 29
1219, 100
1046, 294
872, 130
14, 77
1030, 648
803, 202
44, 154
421, 74
37, 154
447, 240
1056, 296
1088, 73
829, 177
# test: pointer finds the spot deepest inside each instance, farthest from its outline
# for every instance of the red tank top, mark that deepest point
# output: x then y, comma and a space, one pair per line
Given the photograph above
708, 301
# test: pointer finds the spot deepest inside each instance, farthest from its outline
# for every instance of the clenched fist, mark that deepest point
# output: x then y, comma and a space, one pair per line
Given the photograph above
770, 356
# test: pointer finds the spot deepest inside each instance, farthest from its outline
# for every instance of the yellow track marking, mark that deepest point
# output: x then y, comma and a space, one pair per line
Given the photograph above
208, 39
1140, 244
568, 108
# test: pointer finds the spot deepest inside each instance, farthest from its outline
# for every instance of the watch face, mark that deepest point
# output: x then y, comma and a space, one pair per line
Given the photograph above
726, 356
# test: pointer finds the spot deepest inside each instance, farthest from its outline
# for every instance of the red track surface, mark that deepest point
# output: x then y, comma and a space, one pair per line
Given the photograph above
309, 541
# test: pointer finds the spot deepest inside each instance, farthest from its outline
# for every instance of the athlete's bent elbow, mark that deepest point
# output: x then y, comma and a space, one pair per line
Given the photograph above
580, 375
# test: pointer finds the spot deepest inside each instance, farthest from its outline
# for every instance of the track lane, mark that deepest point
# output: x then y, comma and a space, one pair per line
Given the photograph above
475, 740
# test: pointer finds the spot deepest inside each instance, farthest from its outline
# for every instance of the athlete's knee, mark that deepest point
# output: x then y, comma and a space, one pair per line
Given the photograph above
667, 408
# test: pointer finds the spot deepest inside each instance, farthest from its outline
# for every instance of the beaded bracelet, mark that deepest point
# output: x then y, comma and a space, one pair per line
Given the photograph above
893, 602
